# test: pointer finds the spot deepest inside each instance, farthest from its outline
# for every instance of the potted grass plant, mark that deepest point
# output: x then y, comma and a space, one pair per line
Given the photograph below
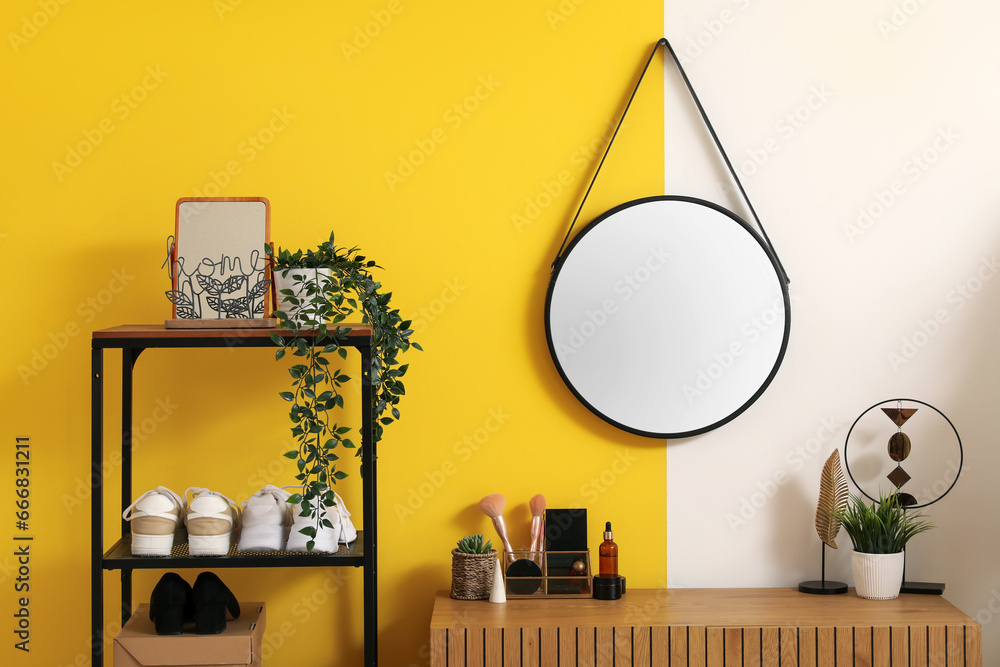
879, 532
326, 286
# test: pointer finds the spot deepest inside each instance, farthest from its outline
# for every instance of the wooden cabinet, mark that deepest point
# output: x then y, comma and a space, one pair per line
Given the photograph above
712, 627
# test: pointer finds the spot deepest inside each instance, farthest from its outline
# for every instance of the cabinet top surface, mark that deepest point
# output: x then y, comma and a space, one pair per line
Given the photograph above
713, 607
132, 331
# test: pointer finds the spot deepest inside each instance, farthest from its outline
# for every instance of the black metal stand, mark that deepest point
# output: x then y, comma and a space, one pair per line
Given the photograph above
919, 587
823, 587
133, 341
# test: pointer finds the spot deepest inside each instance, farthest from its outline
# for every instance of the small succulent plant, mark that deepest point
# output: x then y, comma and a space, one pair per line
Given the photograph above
473, 544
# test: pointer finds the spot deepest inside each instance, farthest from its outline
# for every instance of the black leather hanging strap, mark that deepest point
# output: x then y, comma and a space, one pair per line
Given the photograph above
711, 130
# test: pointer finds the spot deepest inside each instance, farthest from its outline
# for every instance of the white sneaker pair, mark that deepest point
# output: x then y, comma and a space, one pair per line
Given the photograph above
271, 523
158, 519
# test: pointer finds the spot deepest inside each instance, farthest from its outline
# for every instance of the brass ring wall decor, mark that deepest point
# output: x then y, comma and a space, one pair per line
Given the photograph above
879, 443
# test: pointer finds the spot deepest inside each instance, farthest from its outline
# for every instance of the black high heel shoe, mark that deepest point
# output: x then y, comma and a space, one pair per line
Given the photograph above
212, 599
170, 604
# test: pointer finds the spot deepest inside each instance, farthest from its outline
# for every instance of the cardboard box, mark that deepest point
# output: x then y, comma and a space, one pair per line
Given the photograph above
138, 645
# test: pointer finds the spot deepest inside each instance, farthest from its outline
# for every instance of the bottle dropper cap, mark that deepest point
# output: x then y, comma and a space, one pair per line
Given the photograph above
607, 531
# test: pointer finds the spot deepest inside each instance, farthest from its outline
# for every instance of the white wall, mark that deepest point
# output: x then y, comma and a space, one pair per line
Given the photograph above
890, 83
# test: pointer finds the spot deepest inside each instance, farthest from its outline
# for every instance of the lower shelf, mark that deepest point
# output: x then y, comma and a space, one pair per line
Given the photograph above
119, 557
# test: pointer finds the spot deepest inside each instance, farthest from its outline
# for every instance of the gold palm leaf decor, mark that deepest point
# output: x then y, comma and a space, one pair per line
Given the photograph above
832, 497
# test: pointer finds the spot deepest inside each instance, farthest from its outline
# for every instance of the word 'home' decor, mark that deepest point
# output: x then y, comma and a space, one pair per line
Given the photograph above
218, 270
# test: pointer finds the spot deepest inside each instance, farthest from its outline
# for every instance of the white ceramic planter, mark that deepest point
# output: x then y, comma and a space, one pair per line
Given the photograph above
284, 279
877, 576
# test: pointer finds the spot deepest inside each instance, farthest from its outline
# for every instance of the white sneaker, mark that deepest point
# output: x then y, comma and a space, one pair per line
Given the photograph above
155, 522
326, 538
347, 531
211, 519
265, 520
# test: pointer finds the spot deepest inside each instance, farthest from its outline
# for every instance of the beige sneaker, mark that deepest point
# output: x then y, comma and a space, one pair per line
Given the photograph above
155, 522
211, 520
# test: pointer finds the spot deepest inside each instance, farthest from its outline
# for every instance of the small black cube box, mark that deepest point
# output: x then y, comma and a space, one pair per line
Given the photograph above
565, 530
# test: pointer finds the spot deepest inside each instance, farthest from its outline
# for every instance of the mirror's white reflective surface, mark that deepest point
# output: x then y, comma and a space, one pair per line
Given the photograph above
667, 317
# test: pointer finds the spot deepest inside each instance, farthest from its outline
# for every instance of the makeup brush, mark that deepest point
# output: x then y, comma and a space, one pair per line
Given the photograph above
537, 505
492, 506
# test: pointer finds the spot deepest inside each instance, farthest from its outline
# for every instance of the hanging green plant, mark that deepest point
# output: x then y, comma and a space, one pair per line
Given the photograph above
325, 286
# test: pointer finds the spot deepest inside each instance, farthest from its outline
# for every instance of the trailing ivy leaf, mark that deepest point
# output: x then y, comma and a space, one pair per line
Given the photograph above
294, 454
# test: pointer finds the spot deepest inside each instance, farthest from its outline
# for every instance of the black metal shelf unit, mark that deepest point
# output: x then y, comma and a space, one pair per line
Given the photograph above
132, 340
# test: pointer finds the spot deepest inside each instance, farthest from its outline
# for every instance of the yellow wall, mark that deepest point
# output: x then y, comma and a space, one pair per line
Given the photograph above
113, 110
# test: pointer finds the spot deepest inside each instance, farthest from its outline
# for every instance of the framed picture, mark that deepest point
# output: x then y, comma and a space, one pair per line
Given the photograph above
220, 277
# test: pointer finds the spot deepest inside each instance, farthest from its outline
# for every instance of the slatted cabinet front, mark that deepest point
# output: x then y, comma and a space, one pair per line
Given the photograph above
934, 634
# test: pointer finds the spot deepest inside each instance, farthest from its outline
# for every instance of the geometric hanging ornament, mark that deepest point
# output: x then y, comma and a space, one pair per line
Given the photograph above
899, 415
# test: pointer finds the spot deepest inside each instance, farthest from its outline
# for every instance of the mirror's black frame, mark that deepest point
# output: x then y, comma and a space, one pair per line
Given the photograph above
781, 279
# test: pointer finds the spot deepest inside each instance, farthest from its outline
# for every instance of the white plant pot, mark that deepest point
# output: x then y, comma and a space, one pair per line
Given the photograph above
877, 576
284, 279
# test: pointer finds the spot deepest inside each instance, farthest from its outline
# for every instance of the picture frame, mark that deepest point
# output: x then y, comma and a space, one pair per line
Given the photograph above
220, 276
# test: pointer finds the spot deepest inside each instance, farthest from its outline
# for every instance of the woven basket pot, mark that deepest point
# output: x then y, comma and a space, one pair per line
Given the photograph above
472, 574
877, 576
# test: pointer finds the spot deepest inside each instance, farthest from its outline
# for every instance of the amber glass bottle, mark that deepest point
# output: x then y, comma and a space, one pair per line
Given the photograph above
608, 554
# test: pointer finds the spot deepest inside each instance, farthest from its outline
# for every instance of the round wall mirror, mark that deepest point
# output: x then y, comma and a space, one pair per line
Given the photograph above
667, 316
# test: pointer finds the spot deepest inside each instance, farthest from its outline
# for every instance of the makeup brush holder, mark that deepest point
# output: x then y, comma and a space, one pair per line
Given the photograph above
547, 574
